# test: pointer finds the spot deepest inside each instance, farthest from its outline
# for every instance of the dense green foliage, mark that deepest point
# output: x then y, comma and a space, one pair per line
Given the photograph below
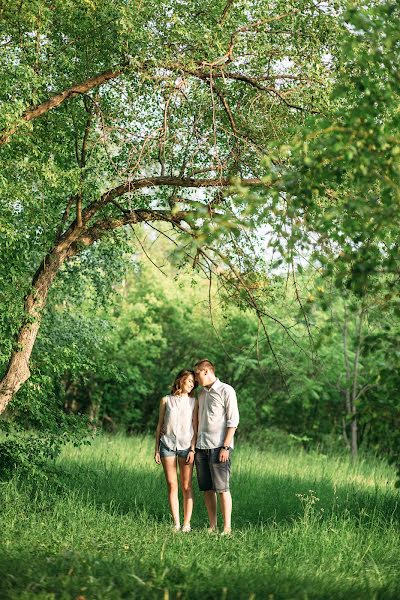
336, 201
305, 526
193, 89
336, 197
301, 96
194, 179
113, 362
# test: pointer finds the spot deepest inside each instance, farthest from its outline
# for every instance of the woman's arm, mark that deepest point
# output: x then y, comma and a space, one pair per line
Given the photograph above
195, 423
161, 415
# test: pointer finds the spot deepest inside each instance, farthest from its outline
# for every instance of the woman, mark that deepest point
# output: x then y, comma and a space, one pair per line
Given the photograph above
175, 443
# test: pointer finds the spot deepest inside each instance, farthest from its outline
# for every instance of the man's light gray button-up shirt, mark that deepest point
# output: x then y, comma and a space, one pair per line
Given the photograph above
218, 410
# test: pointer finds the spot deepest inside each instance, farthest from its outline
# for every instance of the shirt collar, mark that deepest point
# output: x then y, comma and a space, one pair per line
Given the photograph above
213, 386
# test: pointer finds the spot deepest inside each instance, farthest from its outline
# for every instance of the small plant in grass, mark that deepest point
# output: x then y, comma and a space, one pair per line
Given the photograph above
309, 503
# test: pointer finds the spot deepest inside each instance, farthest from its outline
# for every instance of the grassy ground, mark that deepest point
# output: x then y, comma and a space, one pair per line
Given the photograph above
305, 526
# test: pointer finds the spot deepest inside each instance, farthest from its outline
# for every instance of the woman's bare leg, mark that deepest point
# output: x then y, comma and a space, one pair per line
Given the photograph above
186, 474
169, 464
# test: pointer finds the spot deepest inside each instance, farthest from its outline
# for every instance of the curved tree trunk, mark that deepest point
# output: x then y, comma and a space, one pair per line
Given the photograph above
18, 366
67, 246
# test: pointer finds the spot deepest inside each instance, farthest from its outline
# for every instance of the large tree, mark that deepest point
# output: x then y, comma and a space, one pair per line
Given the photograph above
115, 113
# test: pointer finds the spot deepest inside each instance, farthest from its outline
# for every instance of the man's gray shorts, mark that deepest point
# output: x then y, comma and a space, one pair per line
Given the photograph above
211, 473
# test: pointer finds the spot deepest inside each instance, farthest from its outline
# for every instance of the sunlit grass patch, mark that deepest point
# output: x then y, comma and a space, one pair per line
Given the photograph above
305, 526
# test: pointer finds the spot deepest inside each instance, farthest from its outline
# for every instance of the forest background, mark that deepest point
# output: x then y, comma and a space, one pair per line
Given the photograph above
173, 188
182, 179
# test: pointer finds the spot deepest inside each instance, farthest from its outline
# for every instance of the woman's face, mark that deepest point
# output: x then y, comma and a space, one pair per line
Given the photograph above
188, 384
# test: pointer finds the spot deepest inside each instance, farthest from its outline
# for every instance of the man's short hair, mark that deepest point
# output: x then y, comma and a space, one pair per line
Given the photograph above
205, 364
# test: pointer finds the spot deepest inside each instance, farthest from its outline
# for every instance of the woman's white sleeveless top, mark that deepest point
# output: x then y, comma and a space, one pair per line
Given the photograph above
178, 425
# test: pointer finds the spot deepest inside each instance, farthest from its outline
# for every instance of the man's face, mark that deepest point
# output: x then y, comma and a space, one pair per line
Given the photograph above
201, 374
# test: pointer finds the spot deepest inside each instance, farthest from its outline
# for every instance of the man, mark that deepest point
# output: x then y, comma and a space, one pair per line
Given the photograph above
218, 418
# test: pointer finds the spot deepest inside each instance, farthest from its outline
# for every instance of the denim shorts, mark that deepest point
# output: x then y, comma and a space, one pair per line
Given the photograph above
211, 473
165, 451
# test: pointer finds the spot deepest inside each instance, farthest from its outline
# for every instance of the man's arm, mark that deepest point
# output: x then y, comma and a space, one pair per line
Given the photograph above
232, 421
230, 432
224, 454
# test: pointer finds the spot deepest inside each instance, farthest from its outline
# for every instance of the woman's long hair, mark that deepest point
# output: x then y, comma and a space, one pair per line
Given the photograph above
176, 389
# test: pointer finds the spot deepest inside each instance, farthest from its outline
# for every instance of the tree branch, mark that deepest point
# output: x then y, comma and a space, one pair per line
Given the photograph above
97, 230
227, 110
252, 81
225, 11
79, 88
65, 216
171, 181
228, 57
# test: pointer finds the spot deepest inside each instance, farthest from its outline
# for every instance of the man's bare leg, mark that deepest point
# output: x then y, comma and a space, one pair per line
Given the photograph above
225, 500
210, 500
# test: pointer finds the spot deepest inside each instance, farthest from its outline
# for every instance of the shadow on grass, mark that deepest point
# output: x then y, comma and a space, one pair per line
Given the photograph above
258, 500
195, 566
70, 574
34, 573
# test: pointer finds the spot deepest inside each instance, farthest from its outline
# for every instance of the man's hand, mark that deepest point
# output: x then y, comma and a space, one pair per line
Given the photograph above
157, 457
190, 458
223, 455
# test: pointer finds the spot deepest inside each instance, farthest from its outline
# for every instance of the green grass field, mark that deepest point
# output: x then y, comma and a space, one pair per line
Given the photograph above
305, 526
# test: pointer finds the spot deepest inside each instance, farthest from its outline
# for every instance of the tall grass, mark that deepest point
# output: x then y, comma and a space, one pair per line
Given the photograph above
305, 526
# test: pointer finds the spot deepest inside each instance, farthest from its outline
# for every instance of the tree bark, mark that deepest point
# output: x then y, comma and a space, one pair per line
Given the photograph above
354, 437
352, 391
344, 433
69, 245
351, 384
18, 366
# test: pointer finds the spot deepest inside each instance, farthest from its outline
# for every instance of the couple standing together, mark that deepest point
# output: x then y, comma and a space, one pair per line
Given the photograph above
198, 431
